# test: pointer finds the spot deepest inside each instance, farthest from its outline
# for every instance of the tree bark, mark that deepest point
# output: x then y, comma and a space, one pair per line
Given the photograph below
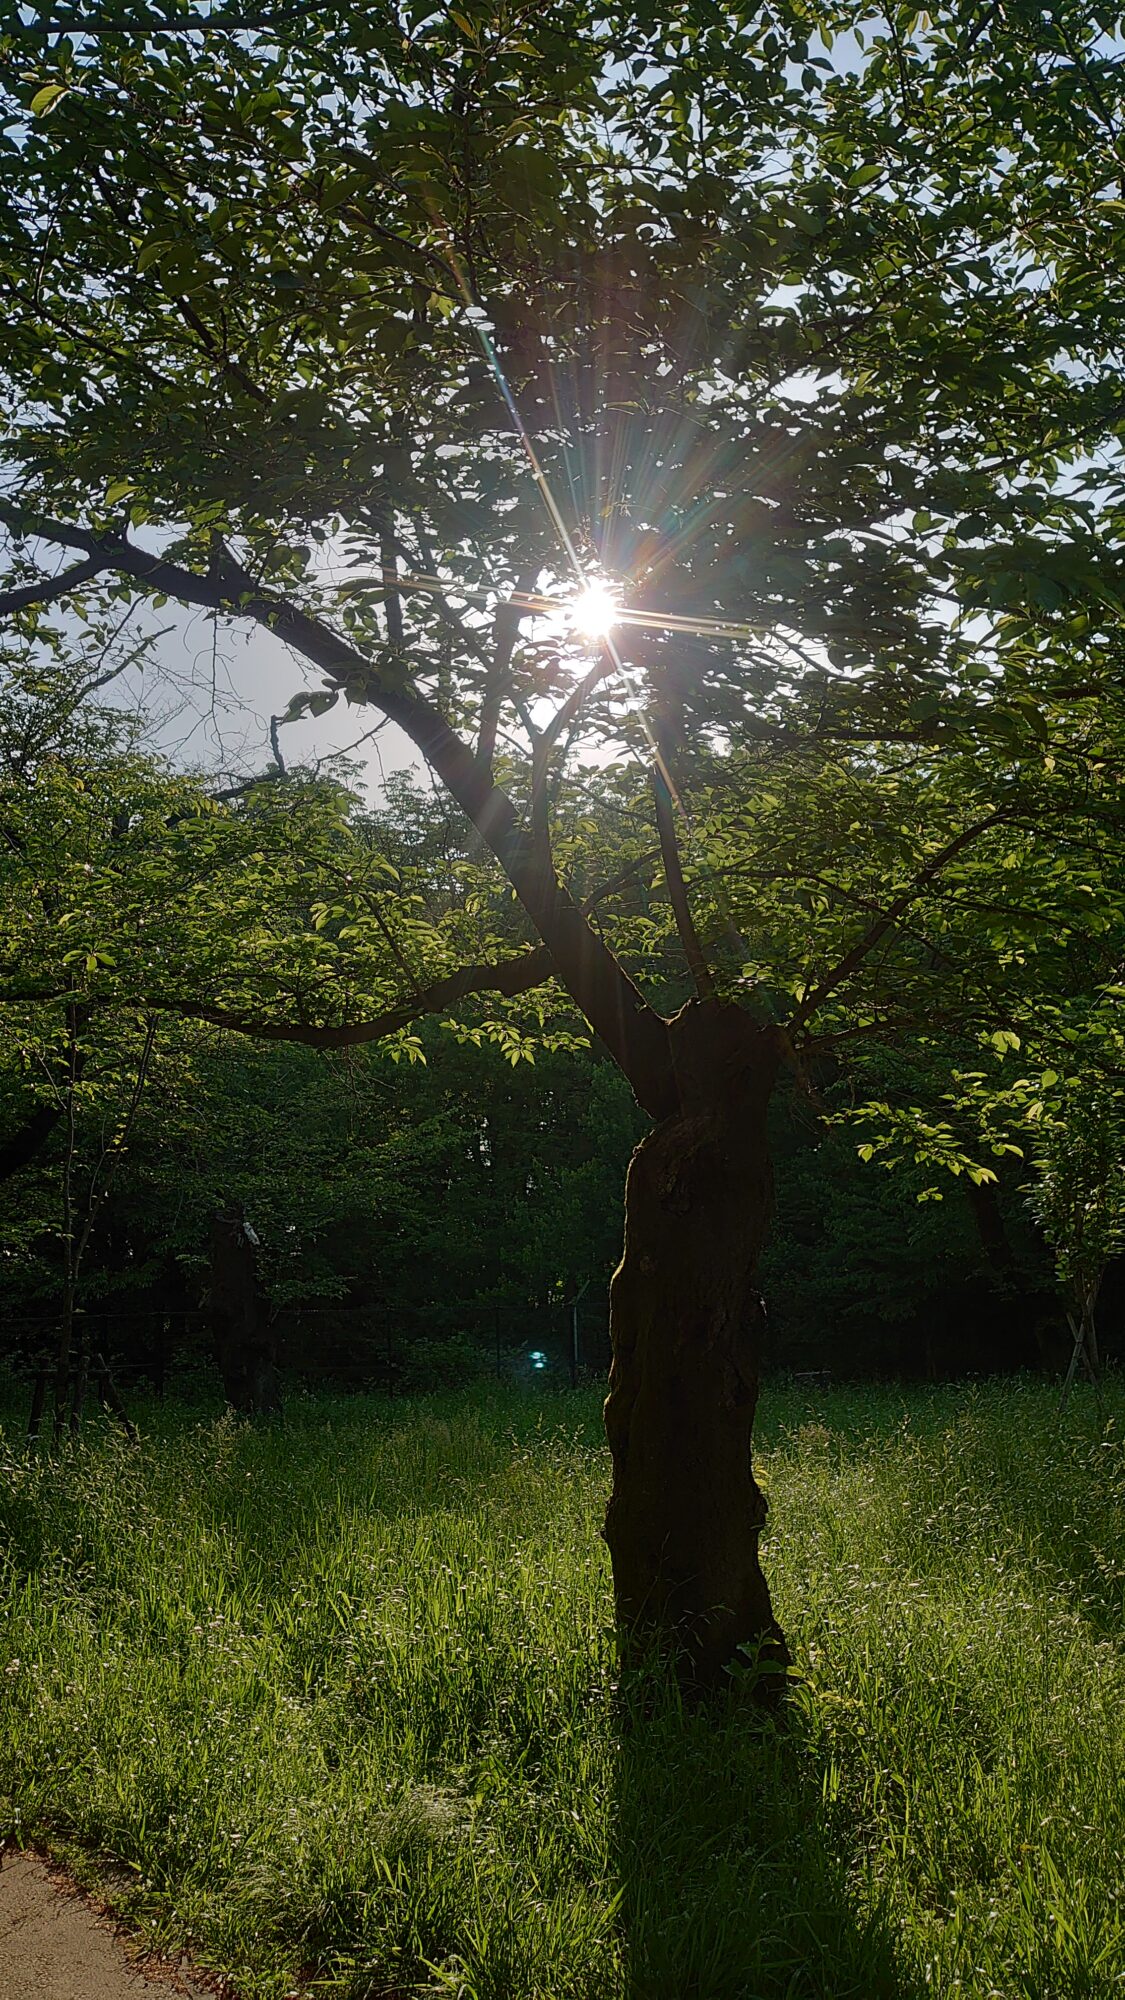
686, 1321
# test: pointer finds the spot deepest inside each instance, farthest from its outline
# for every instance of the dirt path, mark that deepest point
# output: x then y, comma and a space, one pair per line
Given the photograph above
54, 1945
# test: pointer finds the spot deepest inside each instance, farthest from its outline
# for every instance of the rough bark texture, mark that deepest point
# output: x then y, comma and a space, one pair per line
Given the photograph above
686, 1319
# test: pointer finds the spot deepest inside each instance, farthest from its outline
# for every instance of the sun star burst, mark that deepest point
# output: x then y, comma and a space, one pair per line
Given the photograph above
594, 612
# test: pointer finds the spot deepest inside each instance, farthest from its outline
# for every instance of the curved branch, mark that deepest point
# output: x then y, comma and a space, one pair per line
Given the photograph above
515, 975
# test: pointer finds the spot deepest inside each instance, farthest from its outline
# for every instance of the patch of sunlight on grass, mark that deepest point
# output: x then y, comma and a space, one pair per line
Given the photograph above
340, 1693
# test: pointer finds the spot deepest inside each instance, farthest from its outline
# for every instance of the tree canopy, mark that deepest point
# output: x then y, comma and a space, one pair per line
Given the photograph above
810, 338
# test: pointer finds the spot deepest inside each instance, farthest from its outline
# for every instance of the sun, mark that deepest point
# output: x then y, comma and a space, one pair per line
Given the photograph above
594, 612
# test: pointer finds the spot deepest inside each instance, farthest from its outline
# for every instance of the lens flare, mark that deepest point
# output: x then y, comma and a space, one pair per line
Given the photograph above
594, 612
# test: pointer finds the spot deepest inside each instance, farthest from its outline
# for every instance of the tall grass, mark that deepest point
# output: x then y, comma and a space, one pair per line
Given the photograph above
340, 1695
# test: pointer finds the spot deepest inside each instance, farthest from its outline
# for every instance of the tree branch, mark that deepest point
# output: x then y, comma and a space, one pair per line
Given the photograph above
568, 712
507, 625
677, 889
854, 958
619, 881
388, 562
48, 588
514, 976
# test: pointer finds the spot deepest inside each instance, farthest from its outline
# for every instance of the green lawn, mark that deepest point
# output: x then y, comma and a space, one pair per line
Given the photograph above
340, 1693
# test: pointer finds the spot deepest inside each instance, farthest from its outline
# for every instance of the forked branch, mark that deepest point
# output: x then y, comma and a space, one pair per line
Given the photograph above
505, 634
46, 589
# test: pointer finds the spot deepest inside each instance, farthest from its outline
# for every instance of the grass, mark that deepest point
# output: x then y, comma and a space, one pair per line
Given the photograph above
339, 1693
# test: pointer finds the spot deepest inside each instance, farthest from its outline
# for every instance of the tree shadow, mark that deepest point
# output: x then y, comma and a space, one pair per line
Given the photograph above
738, 1874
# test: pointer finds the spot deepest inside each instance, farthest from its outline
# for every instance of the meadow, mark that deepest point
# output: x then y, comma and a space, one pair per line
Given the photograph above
333, 1700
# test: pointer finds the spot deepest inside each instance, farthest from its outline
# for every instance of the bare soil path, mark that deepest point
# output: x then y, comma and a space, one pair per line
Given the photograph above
56, 1945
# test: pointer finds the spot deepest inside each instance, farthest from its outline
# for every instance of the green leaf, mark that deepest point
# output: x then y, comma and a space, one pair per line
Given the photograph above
310, 704
43, 99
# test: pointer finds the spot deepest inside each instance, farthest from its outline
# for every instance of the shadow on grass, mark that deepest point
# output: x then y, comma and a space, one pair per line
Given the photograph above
738, 1875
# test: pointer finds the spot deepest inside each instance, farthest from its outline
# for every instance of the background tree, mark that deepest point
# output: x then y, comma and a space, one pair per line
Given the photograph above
1078, 1200
464, 1193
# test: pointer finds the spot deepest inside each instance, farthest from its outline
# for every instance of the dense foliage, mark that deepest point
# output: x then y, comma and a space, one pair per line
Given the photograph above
455, 1192
816, 338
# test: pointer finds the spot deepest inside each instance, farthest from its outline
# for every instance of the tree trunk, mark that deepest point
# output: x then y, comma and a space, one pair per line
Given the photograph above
245, 1347
686, 1321
111, 1400
18, 1151
1090, 1304
81, 1378
989, 1218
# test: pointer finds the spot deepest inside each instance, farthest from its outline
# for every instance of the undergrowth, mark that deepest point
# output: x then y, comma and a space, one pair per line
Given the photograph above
338, 1695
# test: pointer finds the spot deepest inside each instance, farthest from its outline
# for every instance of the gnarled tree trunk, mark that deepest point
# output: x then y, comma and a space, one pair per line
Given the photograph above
686, 1320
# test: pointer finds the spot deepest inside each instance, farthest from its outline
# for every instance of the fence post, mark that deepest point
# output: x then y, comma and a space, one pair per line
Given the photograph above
579, 1295
38, 1405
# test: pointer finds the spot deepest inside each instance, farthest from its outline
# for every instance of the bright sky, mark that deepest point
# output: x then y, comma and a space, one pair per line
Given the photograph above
209, 694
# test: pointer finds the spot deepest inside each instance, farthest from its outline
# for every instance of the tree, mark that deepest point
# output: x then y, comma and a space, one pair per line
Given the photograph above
1078, 1199
819, 360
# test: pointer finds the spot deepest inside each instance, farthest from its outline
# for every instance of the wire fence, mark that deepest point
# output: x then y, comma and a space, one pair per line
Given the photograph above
381, 1346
